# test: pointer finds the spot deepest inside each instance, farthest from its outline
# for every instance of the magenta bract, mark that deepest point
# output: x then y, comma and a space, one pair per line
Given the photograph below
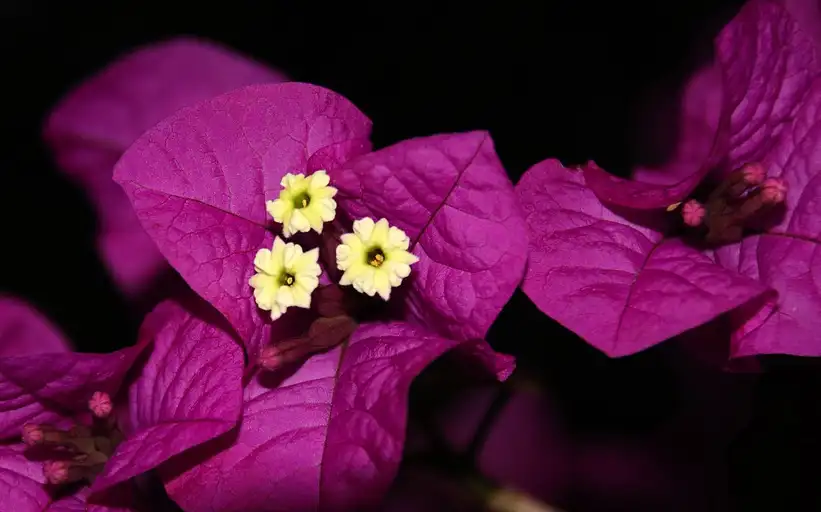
186, 391
199, 181
91, 128
634, 283
618, 283
325, 434
329, 436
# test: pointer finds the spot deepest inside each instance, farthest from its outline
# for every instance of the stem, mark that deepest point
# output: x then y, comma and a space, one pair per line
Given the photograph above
510, 500
437, 441
248, 373
457, 472
476, 444
472, 488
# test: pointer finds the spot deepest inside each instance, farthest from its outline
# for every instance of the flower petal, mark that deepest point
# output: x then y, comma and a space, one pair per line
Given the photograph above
189, 391
690, 128
121, 499
39, 388
796, 158
792, 266
328, 437
788, 257
617, 284
451, 196
808, 14
21, 481
767, 64
24, 331
91, 128
203, 175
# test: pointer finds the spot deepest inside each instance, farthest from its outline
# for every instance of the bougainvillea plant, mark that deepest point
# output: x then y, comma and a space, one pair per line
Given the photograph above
730, 225
73, 436
269, 203
95, 123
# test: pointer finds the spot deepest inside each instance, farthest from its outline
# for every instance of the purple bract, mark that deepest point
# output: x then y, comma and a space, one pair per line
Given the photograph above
83, 433
94, 124
627, 264
324, 433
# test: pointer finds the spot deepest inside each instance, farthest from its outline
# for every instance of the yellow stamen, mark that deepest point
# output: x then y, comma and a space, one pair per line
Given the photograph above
376, 260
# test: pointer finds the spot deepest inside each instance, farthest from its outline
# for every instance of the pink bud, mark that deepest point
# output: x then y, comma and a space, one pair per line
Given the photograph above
693, 213
100, 404
32, 434
773, 190
269, 358
56, 471
754, 173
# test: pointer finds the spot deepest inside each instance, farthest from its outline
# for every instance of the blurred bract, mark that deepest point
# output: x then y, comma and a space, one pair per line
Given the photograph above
94, 124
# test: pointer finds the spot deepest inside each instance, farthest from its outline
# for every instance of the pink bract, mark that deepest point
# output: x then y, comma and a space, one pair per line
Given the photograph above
451, 196
326, 433
199, 181
24, 331
620, 285
189, 392
326, 436
96, 122
767, 83
21, 480
186, 391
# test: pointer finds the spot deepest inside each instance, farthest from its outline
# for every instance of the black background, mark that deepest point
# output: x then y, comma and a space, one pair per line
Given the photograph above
547, 79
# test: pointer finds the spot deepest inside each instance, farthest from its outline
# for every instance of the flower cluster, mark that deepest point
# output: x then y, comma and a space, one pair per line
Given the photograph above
741, 198
81, 452
71, 429
267, 196
374, 257
284, 205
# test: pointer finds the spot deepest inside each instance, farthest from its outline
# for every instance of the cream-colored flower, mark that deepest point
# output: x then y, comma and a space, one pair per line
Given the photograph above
374, 258
304, 203
286, 276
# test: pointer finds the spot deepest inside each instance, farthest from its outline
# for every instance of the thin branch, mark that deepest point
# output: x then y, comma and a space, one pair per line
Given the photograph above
480, 437
477, 490
509, 500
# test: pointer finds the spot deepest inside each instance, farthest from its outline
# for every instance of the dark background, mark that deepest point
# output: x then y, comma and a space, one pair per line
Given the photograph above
547, 79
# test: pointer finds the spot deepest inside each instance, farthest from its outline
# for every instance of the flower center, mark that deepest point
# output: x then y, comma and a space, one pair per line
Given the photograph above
734, 205
286, 279
375, 257
81, 452
302, 200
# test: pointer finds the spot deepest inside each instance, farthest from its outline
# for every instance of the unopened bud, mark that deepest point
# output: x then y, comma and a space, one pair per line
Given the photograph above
269, 358
324, 333
773, 190
56, 471
100, 404
32, 434
754, 173
693, 213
